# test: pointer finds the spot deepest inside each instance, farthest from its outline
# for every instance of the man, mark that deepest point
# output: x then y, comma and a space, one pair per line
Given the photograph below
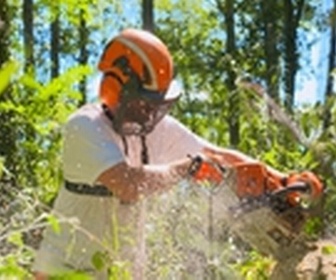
116, 154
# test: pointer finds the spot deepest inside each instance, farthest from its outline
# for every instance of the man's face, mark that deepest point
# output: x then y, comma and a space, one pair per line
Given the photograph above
139, 116
140, 110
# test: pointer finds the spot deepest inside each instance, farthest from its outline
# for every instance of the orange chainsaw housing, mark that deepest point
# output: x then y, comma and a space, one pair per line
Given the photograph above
253, 179
206, 171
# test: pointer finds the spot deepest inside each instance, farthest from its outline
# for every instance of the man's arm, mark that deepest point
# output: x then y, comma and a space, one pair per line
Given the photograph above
129, 184
230, 157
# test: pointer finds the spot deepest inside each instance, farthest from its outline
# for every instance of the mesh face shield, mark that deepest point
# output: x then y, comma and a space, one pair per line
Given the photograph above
139, 110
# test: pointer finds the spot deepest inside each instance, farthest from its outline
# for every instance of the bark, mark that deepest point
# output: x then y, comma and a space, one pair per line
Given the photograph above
148, 15
54, 42
233, 115
28, 35
292, 16
226, 8
83, 53
4, 31
331, 66
7, 117
270, 47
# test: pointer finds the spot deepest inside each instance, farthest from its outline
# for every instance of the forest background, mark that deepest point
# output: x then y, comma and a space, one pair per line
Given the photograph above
48, 57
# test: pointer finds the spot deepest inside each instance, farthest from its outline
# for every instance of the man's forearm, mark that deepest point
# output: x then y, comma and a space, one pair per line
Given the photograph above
131, 183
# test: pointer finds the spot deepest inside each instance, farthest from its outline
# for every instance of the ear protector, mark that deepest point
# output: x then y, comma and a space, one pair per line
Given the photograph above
110, 90
114, 80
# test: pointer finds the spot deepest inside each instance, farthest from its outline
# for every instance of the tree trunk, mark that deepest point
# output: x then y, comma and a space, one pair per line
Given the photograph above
331, 65
28, 35
4, 32
289, 55
233, 114
148, 15
83, 53
292, 17
227, 10
7, 128
270, 48
55, 38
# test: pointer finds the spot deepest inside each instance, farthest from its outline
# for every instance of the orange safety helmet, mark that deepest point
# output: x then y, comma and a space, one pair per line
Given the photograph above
137, 89
134, 52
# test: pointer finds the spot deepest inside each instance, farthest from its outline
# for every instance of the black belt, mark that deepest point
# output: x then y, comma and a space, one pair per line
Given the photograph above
85, 189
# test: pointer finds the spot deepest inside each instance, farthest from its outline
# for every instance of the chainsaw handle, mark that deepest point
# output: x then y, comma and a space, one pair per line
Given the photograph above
299, 187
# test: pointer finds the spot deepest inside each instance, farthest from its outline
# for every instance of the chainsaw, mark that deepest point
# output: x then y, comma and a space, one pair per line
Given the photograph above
268, 214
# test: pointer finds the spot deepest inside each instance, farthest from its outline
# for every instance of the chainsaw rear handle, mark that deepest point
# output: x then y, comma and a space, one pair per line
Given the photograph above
299, 187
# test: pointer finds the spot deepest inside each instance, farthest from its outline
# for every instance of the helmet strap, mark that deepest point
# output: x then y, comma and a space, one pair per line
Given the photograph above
144, 151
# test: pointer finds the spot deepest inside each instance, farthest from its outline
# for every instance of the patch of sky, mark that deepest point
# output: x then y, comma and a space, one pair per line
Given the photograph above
311, 79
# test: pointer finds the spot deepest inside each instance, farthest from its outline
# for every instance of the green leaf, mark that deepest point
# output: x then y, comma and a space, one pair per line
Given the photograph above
98, 260
30, 82
16, 239
6, 74
73, 275
2, 166
10, 269
328, 250
54, 223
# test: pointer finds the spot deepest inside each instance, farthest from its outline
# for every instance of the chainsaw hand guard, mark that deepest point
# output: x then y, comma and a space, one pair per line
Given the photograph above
314, 187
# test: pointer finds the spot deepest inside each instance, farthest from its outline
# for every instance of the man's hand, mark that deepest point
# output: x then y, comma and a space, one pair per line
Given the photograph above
203, 169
